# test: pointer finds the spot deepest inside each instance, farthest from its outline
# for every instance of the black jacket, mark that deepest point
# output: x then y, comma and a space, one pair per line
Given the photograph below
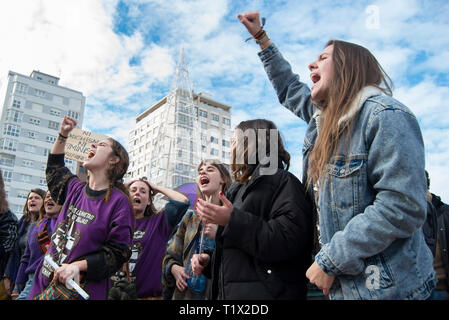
442, 210
8, 236
265, 249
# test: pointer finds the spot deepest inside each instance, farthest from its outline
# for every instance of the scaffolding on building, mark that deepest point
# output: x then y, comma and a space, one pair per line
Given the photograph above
176, 151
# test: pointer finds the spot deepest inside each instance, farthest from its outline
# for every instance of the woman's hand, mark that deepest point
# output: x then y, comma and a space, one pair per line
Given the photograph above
67, 125
198, 262
180, 276
210, 230
320, 278
212, 213
251, 21
66, 272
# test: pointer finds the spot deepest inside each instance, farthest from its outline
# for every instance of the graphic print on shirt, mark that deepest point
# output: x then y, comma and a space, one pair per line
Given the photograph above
66, 236
136, 249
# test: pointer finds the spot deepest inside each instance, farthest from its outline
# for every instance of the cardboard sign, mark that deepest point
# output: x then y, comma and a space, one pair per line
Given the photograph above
78, 144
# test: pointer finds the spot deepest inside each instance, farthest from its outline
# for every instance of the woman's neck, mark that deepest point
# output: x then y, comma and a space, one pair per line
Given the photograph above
139, 215
98, 181
213, 198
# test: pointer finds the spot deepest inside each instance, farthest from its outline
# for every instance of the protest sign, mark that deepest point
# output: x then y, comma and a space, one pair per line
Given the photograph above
79, 142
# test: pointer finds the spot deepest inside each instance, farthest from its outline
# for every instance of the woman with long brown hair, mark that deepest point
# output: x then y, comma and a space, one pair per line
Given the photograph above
33, 213
363, 163
265, 234
213, 178
93, 232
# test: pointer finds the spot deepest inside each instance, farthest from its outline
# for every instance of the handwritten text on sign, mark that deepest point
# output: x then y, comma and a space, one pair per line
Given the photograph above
79, 142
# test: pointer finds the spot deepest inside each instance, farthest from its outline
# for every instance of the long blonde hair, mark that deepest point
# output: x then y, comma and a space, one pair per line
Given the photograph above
354, 68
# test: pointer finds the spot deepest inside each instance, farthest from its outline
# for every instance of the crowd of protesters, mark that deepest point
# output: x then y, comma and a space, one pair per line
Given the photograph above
352, 228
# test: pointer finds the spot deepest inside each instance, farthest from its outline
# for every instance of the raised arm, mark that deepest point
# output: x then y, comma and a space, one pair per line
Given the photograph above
67, 126
292, 93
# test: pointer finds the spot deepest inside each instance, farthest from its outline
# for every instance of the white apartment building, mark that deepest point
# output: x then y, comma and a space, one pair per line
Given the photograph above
211, 139
31, 115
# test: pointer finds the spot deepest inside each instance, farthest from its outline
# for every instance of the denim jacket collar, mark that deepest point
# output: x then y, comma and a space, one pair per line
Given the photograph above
362, 96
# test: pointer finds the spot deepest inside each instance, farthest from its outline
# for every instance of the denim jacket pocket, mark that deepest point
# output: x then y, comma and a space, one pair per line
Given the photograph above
378, 273
346, 178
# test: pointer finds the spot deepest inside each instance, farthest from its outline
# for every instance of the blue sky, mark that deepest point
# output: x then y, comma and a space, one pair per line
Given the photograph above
122, 55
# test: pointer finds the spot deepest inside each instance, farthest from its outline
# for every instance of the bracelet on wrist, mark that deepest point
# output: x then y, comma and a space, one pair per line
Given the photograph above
264, 38
62, 136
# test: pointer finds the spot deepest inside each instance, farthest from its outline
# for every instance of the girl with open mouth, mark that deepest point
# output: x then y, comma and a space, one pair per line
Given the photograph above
364, 165
37, 245
213, 178
151, 234
265, 231
93, 233
33, 213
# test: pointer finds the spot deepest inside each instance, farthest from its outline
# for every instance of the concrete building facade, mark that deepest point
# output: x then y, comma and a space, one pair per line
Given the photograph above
31, 115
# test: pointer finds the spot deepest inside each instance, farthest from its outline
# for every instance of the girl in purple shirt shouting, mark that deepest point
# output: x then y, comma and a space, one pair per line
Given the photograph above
94, 231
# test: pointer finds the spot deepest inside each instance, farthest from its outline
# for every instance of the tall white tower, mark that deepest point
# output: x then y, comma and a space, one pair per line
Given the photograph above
176, 149
174, 134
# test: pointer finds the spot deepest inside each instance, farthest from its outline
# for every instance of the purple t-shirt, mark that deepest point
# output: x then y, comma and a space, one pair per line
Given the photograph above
33, 254
83, 226
150, 237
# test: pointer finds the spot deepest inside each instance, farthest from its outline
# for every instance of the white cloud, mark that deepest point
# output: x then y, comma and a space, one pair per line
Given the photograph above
76, 40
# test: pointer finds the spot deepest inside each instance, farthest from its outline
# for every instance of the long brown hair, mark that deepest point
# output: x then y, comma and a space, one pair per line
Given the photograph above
3, 202
354, 67
224, 173
242, 171
116, 171
30, 217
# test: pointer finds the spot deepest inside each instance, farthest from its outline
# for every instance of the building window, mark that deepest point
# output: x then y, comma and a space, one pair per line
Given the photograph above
213, 140
20, 88
203, 125
42, 182
22, 194
7, 175
35, 121
203, 149
215, 117
185, 120
11, 130
226, 143
6, 161
203, 113
39, 93
9, 144
13, 115
51, 139
16, 104
32, 135
213, 152
226, 121
225, 155
29, 148
25, 178
28, 163
73, 114
53, 125
55, 112
46, 152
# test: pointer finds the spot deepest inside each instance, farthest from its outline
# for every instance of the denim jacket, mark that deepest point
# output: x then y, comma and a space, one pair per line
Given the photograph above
372, 202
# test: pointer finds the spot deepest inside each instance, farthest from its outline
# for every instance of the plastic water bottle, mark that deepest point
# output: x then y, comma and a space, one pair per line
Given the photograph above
198, 283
